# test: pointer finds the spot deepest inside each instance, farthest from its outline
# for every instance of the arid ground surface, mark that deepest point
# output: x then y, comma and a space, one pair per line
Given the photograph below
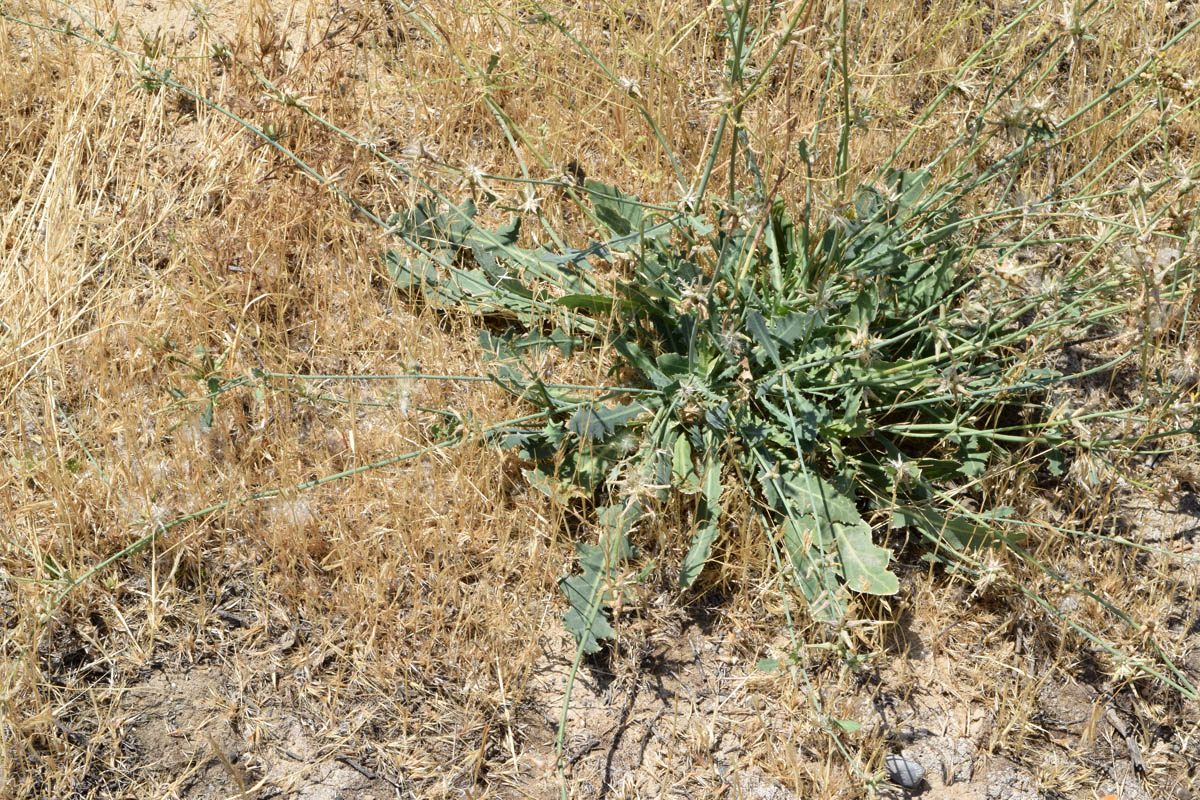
397, 632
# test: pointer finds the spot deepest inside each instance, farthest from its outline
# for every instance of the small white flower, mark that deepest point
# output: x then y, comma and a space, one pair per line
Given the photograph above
473, 175
631, 87
530, 203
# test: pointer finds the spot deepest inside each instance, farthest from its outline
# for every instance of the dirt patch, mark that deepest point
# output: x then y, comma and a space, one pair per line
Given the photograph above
181, 731
188, 731
681, 703
665, 711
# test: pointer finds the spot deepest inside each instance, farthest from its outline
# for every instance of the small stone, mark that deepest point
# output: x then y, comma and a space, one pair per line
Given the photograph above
904, 771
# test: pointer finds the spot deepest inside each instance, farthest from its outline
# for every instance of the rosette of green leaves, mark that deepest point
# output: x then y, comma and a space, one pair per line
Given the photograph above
811, 368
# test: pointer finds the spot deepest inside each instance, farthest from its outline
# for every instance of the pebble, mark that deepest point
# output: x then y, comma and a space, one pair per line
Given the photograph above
904, 771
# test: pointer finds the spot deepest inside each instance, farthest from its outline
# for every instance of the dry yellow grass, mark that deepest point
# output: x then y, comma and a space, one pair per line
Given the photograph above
397, 632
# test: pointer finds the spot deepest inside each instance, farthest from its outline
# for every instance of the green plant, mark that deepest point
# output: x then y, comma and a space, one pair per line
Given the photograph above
856, 371
843, 378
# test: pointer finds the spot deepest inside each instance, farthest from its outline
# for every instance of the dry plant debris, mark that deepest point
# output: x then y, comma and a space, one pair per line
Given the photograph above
397, 633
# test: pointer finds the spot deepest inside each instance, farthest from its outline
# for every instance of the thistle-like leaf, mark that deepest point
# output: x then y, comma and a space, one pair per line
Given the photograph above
590, 595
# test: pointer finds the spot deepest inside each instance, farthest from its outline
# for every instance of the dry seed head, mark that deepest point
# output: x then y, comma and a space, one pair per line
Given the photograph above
796, 37
733, 341
472, 176
831, 45
975, 312
573, 175
990, 574
692, 298
375, 137
864, 341
154, 518
634, 480
724, 98
1021, 115
1072, 21
966, 84
292, 511
1129, 668
902, 470
1139, 189
951, 381
416, 151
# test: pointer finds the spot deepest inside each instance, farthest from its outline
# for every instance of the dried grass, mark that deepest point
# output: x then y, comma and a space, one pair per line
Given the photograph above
403, 616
